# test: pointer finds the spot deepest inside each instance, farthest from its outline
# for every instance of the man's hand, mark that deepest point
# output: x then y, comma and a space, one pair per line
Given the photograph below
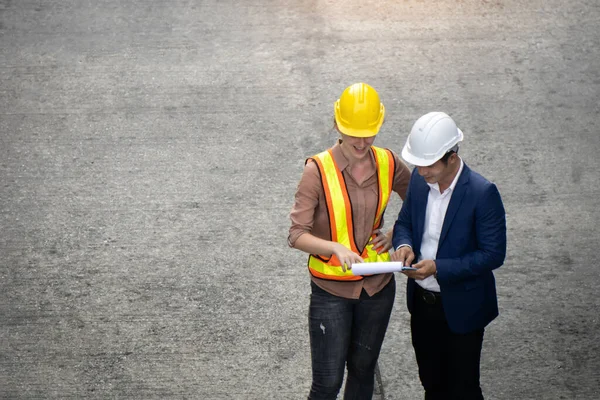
346, 256
404, 254
424, 268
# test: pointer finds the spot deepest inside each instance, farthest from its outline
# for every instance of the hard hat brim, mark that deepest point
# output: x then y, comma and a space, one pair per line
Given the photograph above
416, 161
357, 133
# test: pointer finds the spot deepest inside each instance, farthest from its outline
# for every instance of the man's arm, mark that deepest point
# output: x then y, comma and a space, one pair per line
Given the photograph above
490, 234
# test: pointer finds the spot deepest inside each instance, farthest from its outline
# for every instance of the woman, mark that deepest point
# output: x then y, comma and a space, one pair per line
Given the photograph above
336, 218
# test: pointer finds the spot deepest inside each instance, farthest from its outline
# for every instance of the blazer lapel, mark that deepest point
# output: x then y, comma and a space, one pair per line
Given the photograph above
455, 201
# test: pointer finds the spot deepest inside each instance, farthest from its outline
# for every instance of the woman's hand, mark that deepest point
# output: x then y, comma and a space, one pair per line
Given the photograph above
346, 256
381, 242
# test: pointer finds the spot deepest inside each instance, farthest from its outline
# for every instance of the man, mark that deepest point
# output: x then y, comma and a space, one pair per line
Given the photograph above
453, 221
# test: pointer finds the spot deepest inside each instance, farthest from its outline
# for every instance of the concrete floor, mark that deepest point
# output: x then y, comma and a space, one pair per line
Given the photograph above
149, 154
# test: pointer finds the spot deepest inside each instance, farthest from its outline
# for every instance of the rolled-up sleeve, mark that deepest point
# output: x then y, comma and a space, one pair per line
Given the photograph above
401, 177
306, 201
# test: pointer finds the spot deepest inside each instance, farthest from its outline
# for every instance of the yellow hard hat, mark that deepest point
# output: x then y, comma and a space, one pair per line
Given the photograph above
358, 111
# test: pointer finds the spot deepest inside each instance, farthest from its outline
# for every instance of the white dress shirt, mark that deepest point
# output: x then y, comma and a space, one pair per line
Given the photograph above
437, 204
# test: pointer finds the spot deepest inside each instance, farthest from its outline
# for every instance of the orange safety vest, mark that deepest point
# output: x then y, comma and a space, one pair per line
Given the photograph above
339, 209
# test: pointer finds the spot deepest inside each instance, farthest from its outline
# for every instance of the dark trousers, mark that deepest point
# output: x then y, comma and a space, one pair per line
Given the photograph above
448, 362
347, 332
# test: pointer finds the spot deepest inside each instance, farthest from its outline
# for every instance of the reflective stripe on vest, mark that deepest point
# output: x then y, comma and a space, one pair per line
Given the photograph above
339, 209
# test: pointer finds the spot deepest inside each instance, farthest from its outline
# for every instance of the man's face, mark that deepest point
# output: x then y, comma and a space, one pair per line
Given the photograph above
439, 171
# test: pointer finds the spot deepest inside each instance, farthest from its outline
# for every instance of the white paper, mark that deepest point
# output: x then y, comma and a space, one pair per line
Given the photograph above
376, 267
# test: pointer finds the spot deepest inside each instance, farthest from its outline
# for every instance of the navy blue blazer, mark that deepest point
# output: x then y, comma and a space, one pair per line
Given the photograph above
472, 244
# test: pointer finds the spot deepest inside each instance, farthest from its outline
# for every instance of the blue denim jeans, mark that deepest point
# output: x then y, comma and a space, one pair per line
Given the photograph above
347, 332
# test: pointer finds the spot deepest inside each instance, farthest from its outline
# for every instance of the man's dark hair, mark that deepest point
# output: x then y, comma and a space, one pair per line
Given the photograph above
446, 156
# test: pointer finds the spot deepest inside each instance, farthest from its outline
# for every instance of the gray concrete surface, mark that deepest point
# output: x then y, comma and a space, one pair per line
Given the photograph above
149, 155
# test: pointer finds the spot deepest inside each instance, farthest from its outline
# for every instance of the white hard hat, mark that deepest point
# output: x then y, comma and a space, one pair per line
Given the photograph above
432, 136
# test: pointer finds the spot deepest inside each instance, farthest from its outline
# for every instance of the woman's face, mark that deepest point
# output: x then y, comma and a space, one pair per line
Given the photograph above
356, 147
